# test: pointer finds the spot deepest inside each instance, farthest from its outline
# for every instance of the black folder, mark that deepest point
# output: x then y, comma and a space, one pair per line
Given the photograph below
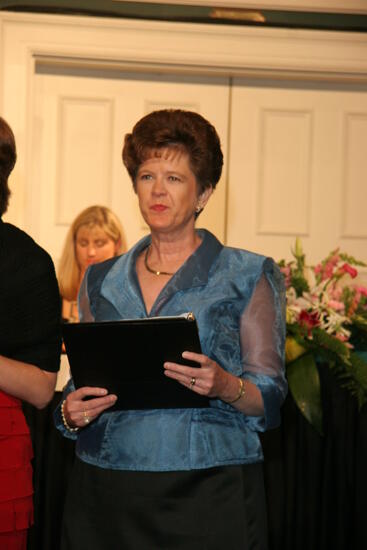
126, 357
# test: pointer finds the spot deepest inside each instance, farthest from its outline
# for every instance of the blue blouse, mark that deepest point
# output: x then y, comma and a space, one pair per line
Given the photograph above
238, 299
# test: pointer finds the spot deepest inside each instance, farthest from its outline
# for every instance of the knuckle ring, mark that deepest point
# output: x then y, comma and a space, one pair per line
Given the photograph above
192, 381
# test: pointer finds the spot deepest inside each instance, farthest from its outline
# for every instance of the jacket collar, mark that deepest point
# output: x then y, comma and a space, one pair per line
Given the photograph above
121, 282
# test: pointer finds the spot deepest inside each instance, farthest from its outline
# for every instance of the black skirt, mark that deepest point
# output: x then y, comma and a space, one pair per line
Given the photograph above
213, 509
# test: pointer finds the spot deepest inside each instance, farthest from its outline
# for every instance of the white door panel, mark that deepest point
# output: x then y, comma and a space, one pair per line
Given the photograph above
298, 165
79, 125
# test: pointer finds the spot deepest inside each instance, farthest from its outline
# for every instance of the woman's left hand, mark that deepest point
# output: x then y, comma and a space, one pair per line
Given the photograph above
210, 379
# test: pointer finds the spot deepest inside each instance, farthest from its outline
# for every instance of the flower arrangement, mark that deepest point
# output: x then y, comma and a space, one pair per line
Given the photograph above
326, 323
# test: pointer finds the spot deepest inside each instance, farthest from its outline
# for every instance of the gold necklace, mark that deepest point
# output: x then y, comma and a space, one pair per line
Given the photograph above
153, 270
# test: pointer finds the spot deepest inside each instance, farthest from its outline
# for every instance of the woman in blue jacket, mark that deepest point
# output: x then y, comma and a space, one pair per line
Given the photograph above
179, 478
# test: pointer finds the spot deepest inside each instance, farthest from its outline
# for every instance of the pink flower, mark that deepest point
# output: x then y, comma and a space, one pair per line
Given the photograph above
335, 292
354, 303
346, 268
328, 271
286, 270
335, 304
334, 259
344, 339
361, 290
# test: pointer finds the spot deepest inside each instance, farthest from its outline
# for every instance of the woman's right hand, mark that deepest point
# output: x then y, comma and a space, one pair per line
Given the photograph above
79, 412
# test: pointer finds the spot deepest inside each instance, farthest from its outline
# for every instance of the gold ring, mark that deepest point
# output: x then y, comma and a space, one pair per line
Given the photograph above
86, 417
192, 381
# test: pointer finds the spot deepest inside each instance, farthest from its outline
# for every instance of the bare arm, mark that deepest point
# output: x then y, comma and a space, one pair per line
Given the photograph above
26, 382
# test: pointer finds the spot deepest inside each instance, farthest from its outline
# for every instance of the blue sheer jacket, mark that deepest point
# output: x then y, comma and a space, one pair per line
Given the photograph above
238, 299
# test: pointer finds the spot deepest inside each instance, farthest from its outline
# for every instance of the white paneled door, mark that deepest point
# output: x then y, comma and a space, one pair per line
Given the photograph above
80, 118
295, 153
298, 167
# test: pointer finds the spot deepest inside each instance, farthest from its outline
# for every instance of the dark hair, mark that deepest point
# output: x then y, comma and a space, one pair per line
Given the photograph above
8, 156
176, 129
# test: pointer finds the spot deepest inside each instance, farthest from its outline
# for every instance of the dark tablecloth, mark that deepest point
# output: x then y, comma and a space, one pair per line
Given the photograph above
316, 486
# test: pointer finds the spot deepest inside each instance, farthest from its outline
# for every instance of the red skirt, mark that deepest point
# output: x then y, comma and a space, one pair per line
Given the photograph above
16, 488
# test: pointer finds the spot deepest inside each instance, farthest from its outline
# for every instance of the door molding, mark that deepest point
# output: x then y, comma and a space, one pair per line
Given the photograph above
353, 6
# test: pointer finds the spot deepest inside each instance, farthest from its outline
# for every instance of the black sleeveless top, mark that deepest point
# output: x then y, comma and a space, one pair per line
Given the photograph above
29, 301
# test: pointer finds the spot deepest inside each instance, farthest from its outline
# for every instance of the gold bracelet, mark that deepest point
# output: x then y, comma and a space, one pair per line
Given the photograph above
69, 428
241, 392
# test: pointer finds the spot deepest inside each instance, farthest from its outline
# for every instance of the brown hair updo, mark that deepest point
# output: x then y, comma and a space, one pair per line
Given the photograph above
186, 131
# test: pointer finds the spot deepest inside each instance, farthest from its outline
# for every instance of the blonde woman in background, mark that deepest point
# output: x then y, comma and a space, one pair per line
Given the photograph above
95, 235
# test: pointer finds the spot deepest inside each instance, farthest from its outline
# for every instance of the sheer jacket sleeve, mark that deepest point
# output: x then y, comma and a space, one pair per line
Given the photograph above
262, 334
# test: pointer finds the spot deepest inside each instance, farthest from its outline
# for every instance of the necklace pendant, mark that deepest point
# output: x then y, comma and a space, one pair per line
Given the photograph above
148, 268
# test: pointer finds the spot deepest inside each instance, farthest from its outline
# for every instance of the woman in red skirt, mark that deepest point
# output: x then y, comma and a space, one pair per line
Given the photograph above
29, 355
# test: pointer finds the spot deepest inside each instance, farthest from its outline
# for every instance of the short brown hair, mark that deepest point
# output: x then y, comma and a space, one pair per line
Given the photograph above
177, 129
8, 157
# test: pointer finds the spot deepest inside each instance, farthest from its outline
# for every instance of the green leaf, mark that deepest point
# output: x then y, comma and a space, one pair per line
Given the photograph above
360, 322
299, 283
328, 342
304, 385
356, 382
351, 260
